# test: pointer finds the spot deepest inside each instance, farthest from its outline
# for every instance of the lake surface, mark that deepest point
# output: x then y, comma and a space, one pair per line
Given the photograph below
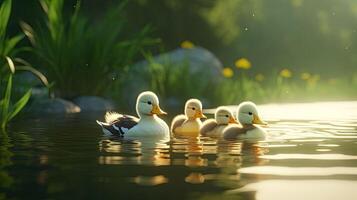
310, 153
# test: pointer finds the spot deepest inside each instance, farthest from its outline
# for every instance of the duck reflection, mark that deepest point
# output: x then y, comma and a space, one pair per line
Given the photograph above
230, 157
121, 151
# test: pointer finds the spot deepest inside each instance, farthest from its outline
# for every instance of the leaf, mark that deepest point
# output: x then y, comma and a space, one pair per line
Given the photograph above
28, 31
11, 43
5, 11
19, 105
35, 72
6, 102
11, 64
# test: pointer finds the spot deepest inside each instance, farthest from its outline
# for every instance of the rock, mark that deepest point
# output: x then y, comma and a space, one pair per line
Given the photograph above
197, 61
53, 106
93, 103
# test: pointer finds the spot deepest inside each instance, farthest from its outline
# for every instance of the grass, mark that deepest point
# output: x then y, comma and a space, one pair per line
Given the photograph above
83, 56
9, 63
275, 87
173, 80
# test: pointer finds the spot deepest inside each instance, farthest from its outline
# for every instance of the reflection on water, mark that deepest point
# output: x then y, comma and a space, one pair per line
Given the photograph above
67, 157
329, 189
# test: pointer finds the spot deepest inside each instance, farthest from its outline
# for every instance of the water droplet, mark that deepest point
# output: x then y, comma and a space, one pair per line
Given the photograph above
245, 28
333, 13
253, 15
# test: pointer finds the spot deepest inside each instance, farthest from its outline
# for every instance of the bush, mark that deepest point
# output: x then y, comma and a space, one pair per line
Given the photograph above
84, 57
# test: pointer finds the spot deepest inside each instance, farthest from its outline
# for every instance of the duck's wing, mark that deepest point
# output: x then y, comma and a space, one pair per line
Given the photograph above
110, 117
208, 126
177, 121
118, 124
232, 132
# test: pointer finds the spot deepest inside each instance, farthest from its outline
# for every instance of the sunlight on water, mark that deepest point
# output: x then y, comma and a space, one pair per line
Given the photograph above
299, 171
310, 156
310, 153
302, 189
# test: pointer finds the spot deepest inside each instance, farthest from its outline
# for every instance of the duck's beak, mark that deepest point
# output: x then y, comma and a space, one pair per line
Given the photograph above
157, 110
257, 120
232, 120
199, 114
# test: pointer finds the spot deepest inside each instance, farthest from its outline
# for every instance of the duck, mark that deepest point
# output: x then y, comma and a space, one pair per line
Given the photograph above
148, 123
249, 119
223, 117
188, 124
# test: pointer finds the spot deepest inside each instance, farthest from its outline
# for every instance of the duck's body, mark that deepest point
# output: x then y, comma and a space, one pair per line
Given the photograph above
149, 124
184, 126
215, 127
117, 124
190, 123
252, 132
214, 130
248, 117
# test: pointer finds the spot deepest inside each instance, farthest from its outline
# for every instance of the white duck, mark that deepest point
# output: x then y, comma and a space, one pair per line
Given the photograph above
248, 116
190, 123
223, 117
149, 124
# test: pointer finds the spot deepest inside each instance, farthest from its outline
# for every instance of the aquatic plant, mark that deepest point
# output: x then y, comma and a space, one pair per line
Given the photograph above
83, 56
8, 109
8, 61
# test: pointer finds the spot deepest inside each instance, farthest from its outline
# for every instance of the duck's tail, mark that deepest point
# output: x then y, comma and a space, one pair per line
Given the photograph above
105, 127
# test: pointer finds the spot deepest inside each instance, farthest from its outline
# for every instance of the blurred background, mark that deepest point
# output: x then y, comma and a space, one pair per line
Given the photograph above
223, 52
319, 36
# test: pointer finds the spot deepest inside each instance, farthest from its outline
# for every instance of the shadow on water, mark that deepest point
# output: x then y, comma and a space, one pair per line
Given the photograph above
63, 157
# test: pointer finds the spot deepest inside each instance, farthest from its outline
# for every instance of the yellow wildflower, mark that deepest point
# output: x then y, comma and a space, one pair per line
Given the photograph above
313, 79
187, 44
243, 63
285, 73
332, 81
305, 76
259, 77
227, 72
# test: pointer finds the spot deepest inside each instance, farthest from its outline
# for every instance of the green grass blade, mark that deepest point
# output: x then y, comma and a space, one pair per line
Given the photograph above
11, 43
5, 11
11, 64
6, 102
34, 71
19, 105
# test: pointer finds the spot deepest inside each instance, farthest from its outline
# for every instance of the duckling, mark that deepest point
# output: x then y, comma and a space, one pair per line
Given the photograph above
190, 123
223, 117
148, 123
248, 116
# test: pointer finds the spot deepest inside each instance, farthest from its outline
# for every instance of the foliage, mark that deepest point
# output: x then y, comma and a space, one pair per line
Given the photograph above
176, 80
240, 84
84, 57
7, 109
8, 51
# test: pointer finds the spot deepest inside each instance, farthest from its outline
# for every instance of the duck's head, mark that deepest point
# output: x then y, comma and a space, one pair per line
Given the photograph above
248, 114
224, 115
147, 103
193, 109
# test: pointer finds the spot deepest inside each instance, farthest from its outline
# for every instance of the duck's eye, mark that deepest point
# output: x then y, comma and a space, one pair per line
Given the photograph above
149, 102
250, 113
227, 116
193, 108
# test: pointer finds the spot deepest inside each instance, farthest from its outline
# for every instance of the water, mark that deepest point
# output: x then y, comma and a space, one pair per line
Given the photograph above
310, 154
